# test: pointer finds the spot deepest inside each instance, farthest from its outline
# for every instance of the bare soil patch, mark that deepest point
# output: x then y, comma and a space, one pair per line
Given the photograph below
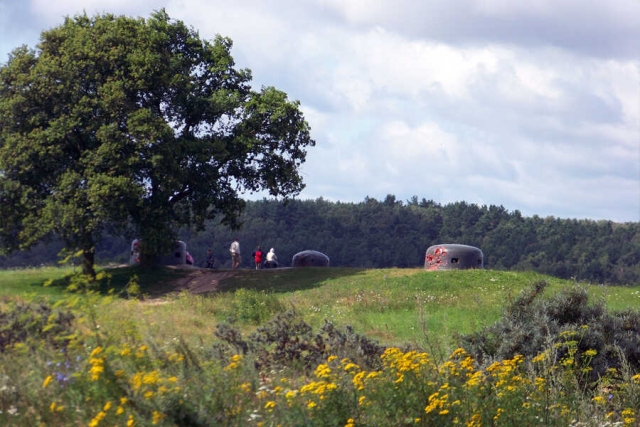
201, 280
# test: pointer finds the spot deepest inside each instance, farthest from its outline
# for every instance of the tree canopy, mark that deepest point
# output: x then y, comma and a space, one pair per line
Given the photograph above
121, 124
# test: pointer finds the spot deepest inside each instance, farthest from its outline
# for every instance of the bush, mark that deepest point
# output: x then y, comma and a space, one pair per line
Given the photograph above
32, 323
255, 306
287, 340
565, 325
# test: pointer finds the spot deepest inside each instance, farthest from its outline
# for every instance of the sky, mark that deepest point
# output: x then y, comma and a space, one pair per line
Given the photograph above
533, 105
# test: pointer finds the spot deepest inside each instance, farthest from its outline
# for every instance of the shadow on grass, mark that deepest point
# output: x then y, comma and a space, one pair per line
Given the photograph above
153, 281
284, 279
159, 281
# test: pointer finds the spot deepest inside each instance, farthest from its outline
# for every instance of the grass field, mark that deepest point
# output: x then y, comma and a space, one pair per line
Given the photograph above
133, 350
394, 306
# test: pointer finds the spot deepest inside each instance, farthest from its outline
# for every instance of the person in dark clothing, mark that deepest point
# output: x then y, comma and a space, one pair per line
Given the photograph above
210, 260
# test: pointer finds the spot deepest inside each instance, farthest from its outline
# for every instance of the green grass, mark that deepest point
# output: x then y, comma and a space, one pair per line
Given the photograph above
31, 280
135, 360
394, 306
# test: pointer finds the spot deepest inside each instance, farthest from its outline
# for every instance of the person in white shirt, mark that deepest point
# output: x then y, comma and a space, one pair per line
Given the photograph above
272, 259
235, 253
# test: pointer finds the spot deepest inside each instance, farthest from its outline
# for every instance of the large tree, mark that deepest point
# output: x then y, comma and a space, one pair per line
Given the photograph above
136, 124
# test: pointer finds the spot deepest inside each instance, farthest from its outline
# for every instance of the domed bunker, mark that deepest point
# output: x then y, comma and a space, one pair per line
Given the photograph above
453, 257
310, 258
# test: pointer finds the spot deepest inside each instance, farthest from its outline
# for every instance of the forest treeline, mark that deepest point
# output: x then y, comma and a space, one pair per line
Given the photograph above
392, 233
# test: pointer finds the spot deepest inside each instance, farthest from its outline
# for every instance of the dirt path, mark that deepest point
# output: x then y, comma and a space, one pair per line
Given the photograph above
201, 280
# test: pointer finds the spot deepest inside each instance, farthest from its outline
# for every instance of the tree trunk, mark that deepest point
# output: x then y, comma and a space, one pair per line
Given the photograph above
147, 260
88, 259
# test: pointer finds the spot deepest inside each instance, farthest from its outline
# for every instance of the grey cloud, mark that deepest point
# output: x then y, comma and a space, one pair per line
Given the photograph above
602, 29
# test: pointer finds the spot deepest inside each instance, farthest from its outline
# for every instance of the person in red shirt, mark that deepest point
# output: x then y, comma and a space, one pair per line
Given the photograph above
258, 257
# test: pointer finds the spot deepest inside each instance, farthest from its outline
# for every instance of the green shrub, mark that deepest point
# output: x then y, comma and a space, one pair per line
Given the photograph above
32, 323
255, 306
567, 326
288, 341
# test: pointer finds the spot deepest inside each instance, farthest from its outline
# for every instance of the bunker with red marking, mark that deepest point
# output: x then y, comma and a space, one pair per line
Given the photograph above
453, 257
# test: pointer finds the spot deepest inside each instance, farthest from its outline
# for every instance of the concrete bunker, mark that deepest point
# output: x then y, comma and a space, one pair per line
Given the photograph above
453, 257
310, 258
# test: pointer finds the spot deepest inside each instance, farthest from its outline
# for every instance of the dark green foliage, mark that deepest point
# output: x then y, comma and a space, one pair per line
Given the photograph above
374, 234
531, 324
136, 127
255, 306
34, 323
288, 341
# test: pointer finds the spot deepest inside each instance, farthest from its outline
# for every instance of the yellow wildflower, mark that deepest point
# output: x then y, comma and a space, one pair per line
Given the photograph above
331, 358
475, 421
106, 406
290, 394
322, 371
95, 351
54, 407
96, 420
156, 417
151, 377
541, 357
96, 370
358, 382
47, 381
131, 422
458, 353
311, 404
628, 417
136, 381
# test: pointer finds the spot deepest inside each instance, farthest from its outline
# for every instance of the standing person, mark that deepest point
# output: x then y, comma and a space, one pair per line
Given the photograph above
272, 259
235, 254
210, 260
257, 257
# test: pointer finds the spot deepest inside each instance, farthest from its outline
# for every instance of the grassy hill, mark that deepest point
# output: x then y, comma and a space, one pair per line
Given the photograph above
143, 349
394, 306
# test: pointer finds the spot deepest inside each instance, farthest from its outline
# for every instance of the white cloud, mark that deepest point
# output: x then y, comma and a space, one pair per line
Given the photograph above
532, 105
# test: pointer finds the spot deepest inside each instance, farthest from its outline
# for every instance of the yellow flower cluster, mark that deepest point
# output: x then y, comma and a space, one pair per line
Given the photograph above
106, 410
318, 387
235, 363
411, 361
97, 363
152, 383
